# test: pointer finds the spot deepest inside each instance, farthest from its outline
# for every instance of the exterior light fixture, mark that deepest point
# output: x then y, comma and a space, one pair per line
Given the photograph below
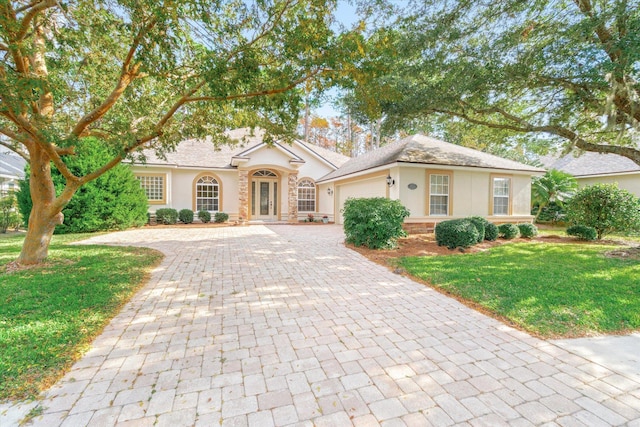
330, 191
390, 181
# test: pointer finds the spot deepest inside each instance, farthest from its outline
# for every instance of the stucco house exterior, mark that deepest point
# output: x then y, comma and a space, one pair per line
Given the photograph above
437, 181
11, 171
255, 181
597, 168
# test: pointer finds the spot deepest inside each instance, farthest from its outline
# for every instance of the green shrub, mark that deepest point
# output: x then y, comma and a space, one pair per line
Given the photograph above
113, 201
204, 216
8, 216
374, 222
185, 216
490, 232
528, 230
166, 216
221, 217
583, 232
480, 224
606, 208
508, 231
456, 233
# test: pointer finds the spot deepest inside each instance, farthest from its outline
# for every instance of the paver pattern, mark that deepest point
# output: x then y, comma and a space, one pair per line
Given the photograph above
283, 325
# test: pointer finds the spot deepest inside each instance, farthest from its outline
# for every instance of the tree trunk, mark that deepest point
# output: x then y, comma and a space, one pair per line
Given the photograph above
45, 213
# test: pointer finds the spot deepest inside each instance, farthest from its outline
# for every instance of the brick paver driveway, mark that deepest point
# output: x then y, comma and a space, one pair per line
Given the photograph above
283, 325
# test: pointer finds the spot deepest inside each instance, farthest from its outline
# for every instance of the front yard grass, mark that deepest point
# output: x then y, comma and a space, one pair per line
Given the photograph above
549, 290
50, 314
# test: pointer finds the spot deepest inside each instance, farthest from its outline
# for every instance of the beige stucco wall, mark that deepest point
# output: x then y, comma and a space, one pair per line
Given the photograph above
629, 182
366, 186
470, 192
179, 182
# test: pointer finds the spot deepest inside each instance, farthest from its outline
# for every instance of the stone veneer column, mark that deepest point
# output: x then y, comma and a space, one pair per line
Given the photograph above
243, 195
293, 197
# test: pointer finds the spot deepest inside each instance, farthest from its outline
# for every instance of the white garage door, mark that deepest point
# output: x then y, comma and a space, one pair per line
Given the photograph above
374, 187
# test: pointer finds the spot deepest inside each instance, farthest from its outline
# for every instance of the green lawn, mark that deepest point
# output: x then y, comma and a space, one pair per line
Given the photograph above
552, 290
50, 314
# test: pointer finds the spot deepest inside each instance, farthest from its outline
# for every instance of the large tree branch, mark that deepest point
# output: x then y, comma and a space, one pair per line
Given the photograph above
265, 92
521, 125
28, 18
128, 73
604, 34
15, 149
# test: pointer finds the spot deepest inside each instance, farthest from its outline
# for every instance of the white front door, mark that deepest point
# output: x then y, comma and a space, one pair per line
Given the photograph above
265, 199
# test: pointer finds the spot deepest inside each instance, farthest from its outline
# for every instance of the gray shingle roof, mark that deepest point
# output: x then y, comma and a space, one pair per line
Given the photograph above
11, 165
425, 150
590, 163
202, 153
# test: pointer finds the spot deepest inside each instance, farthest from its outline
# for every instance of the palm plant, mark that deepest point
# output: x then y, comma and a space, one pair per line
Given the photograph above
553, 186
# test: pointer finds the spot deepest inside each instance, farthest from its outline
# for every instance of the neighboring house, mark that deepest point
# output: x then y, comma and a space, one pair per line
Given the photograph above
434, 179
594, 168
437, 181
11, 171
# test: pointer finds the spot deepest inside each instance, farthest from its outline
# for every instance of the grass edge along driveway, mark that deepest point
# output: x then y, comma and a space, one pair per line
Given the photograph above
50, 314
549, 290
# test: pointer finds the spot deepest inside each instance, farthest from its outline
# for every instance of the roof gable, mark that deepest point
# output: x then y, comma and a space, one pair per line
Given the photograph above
201, 153
425, 150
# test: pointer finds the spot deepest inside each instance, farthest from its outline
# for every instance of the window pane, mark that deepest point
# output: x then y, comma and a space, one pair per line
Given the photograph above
153, 187
306, 196
207, 194
439, 195
501, 196
439, 205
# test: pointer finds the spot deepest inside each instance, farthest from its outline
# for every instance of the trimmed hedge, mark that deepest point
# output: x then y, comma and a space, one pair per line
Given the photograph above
508, 231
583, 232
480, 224
457, 233
166, 216
221, 217
185, 216
374, 222
528, 230
491, 232
204, 216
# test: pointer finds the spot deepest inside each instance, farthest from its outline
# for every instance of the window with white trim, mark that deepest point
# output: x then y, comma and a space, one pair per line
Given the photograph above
501, 194
306, 196
153, 186
438, 194
207, 194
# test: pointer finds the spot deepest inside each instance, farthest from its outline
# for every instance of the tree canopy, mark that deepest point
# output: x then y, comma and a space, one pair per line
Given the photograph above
148, 73
566, 71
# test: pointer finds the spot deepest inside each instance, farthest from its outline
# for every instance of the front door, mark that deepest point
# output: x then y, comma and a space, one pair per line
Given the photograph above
264, 202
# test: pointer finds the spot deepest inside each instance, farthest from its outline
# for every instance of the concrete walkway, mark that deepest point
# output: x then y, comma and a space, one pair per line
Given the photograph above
282, 325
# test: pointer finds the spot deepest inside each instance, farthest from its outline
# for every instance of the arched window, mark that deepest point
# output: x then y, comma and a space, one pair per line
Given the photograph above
207, 194
306, 196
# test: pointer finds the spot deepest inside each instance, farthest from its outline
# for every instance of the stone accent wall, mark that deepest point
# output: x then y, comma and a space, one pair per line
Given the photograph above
293, 197
243, 195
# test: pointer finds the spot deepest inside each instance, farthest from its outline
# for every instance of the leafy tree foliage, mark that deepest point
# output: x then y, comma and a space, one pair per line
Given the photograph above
554, 186
606, 208
565, 71
113, 201
147, 73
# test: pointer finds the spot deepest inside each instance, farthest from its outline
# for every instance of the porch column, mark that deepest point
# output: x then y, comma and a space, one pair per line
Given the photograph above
293, 197
243, 195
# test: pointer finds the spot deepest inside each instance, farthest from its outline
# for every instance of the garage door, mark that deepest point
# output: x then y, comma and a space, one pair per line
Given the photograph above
374, 187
